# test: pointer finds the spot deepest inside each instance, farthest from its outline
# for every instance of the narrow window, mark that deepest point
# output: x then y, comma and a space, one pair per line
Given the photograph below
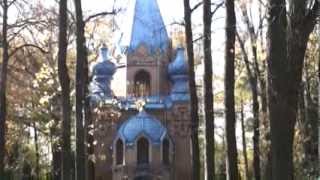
119, 152
166, 152
143, 151
142, 84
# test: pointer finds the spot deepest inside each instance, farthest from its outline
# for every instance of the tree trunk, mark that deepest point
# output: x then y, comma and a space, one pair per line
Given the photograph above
286, 51
208, 91
266, 170
193, 93
37, 151
265, 126
298, 36
80, 93
56, 157
3, 86
232, 162
88, 124
55, 150
255, 109
280, 119
256, 128
89, 139
254, 91
65, 87
319, 103
244, 144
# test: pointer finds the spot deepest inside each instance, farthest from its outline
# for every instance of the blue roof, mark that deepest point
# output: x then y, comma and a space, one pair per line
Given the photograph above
142, 124
148, 27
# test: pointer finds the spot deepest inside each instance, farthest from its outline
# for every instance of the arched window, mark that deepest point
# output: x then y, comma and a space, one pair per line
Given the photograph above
143, 151
119, 152
166, 152
142, 84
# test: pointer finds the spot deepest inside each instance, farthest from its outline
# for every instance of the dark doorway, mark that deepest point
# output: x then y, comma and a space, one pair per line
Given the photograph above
143, 151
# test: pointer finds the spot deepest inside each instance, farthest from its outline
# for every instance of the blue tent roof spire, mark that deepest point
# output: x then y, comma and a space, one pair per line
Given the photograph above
148, 27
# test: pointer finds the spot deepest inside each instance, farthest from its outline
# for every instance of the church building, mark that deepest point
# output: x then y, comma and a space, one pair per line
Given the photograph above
146, 134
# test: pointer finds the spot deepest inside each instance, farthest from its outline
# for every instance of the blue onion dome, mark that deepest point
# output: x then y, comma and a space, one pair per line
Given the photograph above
179, 65
102, 73
104, 66
178, 72
142, 124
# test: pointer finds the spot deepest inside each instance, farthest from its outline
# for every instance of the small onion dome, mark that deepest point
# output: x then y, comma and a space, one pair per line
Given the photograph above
142, 124
179, 65
104, 66
178, 72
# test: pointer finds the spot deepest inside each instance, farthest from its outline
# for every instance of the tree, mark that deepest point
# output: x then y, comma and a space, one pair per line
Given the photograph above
244, 144
208, 91
254, 75
37, 150
5, 40
80, 92
255, 108
83, 116
4, 68
193, 92
319, 102
33, 89
243, 98
287, 41
65, 88
232, 167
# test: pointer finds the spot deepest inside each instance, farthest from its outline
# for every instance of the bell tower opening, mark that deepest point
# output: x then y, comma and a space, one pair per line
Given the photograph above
142, 151
142, 84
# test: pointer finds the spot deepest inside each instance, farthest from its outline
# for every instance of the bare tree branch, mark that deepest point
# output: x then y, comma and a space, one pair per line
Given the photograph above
9, 4
25, 22
196, 6
245, 56
27, 45
113, 12
216, 8
177, 23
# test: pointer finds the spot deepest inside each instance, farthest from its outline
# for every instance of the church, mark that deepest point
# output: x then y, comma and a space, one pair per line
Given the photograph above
146, 134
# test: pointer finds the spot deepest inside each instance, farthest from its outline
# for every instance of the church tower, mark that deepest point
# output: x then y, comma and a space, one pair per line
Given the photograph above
147, 52
145, 135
